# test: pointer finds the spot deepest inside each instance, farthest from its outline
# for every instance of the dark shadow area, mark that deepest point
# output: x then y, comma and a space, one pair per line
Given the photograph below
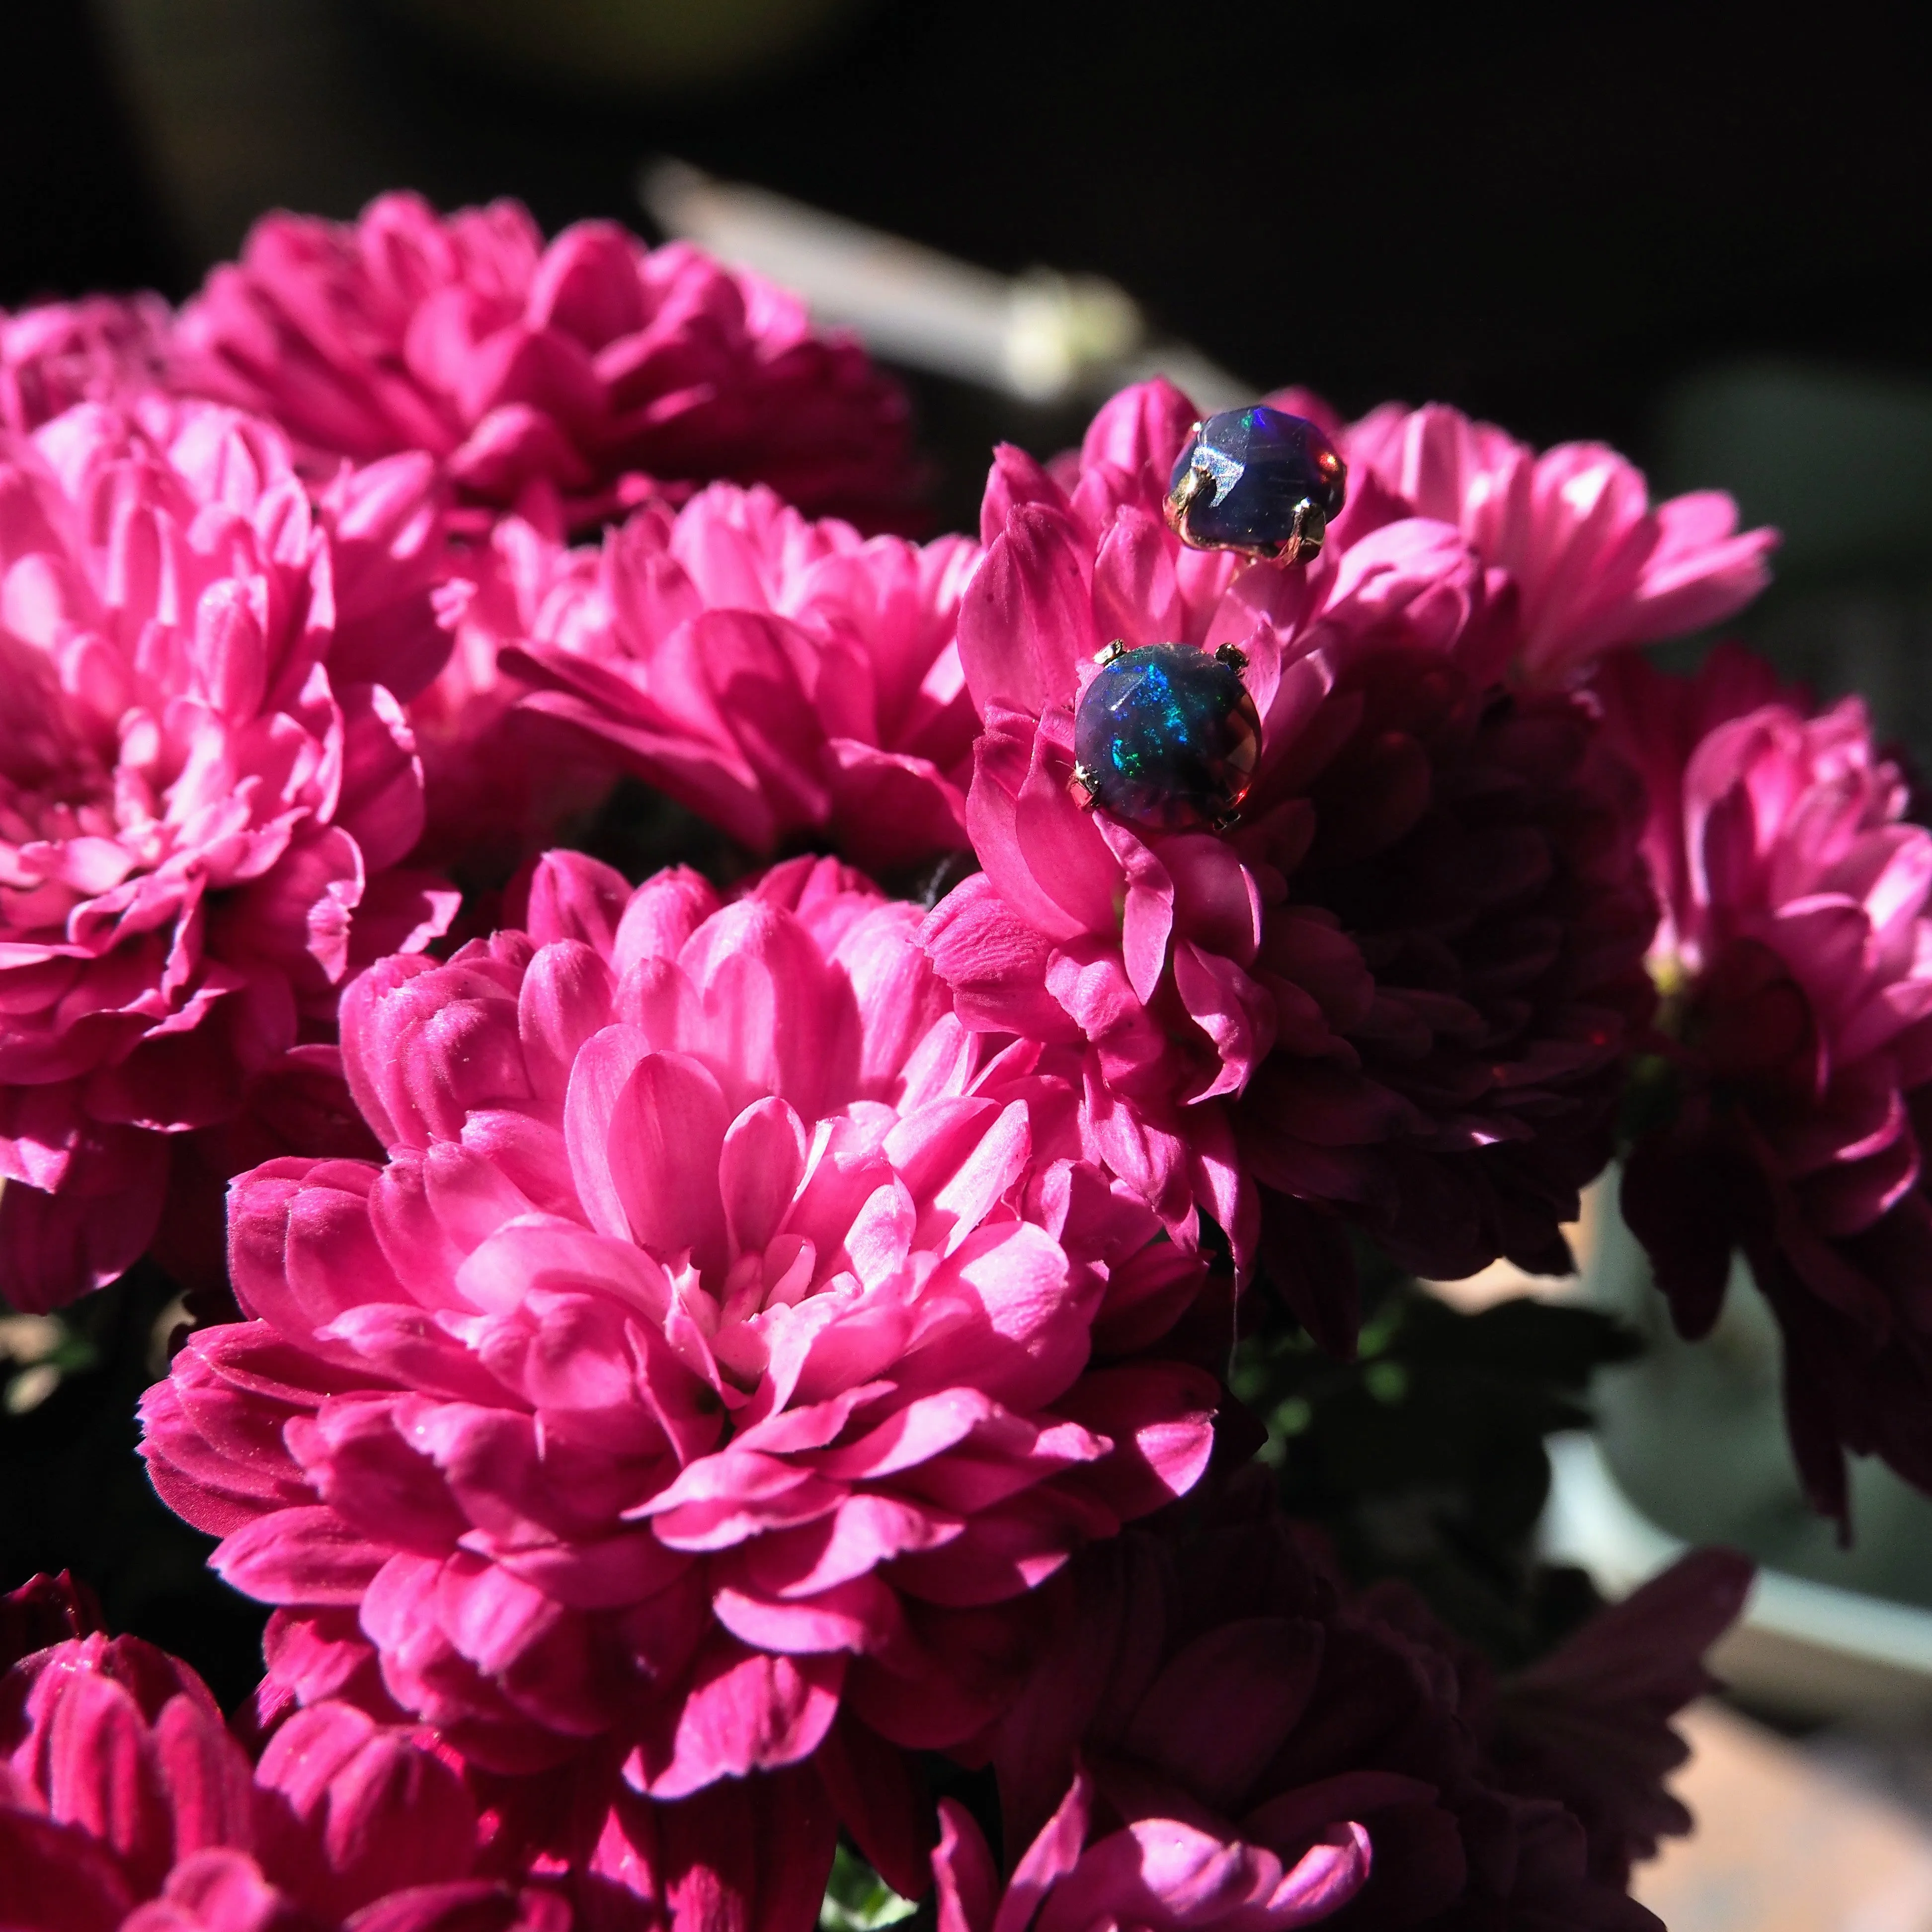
74, 1495
76, 209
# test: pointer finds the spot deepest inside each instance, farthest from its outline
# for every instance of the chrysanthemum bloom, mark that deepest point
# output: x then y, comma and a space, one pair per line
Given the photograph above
594, 367
45, 1610
1589, 1725
204, 795
716, 1351
1219, 1714
1595, 565
124, 1800
1399, 986
1795, 959
1155, 1872
778, 675
500, 785
101, 349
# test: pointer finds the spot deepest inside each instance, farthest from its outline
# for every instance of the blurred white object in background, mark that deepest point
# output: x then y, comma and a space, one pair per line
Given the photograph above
1043, 337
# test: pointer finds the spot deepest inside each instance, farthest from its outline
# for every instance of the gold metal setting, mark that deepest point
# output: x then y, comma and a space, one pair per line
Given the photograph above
1305, 535
1180, 499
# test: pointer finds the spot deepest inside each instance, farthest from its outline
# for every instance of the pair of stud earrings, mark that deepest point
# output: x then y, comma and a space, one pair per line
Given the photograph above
1167, 735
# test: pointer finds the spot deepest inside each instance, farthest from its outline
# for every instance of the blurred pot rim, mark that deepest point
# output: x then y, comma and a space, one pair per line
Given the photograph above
1808, 1649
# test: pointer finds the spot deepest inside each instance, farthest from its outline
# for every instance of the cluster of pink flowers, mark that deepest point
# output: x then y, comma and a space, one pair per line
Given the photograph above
208, 791
1794, 957
1399, 989
592, 369
125, 1800
695, 1349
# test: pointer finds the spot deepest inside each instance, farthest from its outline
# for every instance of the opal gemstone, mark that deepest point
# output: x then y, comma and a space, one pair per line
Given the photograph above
1167, 736
1262, 465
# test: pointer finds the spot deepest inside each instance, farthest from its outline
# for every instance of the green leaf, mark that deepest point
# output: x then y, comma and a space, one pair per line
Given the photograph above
857, 1899
1422, 1459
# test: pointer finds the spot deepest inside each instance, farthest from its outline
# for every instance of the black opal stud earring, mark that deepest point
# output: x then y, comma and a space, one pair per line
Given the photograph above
1257, 481
1167, 736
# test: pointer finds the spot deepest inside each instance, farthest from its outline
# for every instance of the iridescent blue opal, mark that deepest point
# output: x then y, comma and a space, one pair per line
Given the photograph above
1258, 467
1167, 736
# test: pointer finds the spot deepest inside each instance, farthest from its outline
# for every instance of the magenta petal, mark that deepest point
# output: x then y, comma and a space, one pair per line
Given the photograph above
210, 1792
1011, 1330
746, 1712
1229, 1007
307, 1555
372, 1812
1063, 847
762, 1163
742, 1856
1135, 598
1016, 478
60, 1878
995, 962
1146, 919
858, 1615
217, 1887
1219, 1712
106, 1776
1160, 1868
966, 1881
1050, 1859
665, 1134
565, 998
1140, 428
598, 1076
571, 895
1159, 1417
58, 1246
1026, 621
889, 809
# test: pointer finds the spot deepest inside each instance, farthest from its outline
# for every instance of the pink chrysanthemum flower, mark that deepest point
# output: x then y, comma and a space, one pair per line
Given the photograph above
101, 349
1794, 957
780, 675
593, 367
1154, 1873
1221, 1732
1595, 565
1398, 989
45, 1609
501, 785
125, 1801
204, 798
714, 1352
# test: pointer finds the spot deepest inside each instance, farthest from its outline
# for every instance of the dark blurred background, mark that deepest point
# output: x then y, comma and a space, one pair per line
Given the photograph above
1704, 234
1552, 218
